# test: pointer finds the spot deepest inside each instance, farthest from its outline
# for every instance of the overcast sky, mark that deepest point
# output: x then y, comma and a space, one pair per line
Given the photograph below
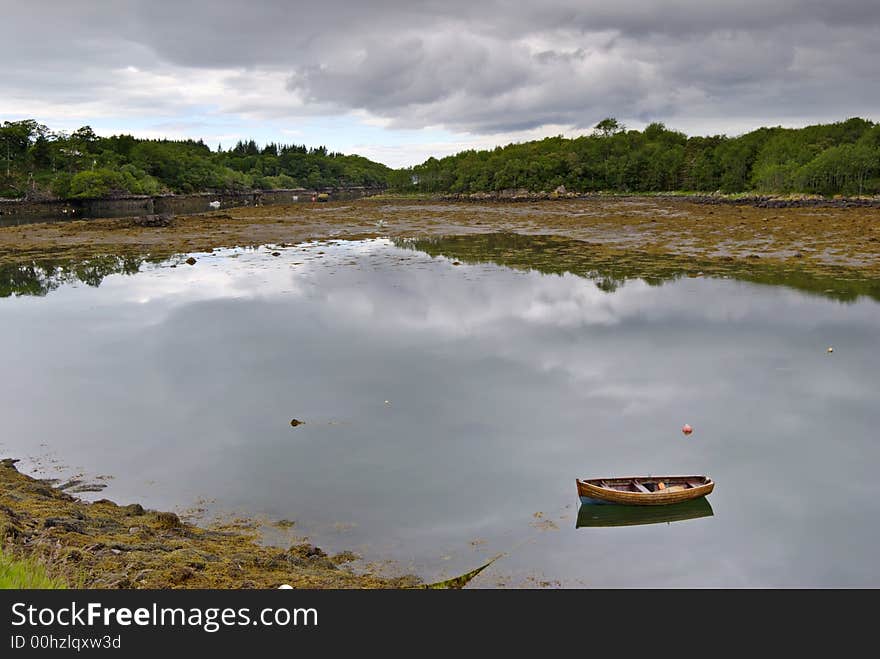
399, 80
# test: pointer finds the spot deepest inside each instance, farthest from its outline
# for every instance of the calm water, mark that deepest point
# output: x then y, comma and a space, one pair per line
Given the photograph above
449, 408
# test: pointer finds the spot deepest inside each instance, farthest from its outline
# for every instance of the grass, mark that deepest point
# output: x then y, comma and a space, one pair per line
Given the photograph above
26, 573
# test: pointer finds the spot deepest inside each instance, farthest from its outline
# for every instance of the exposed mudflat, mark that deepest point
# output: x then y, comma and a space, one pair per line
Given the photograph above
820, 239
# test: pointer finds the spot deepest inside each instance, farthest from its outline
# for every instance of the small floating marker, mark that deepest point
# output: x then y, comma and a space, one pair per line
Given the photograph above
388, 402
276, 253
686, 429
296, 422
830, 349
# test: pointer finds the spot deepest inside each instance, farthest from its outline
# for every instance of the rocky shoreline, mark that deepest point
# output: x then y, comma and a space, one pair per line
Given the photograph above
758, 201
106, 545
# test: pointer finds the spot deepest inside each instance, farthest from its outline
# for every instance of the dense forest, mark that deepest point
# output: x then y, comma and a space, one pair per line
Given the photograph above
838, 158
38, 163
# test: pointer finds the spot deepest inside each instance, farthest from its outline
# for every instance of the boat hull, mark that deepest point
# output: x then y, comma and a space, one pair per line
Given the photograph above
594, 492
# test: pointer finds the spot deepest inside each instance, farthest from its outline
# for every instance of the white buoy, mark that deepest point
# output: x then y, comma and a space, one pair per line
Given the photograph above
214, 204
285, 586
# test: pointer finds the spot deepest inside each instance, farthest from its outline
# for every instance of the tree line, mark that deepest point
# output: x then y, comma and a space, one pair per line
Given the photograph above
829, 159
36, 162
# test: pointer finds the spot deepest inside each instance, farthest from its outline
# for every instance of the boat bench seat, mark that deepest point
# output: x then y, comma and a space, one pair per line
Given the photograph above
640, 487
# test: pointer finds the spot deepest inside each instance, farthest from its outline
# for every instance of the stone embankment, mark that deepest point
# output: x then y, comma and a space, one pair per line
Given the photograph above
23, 211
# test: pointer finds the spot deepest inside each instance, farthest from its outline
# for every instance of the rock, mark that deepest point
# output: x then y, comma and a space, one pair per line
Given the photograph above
43, 490
344, 557
160, 220
191, 261
69, 525
168, 520
560, 190
72, 556
134, 530
134, 509
276, 253
10, 530
306, 551
88, 487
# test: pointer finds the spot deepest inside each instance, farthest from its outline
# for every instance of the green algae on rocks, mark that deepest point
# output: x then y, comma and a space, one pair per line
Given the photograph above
106, 545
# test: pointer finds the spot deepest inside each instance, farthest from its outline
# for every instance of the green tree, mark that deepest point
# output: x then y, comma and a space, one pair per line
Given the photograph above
609, 126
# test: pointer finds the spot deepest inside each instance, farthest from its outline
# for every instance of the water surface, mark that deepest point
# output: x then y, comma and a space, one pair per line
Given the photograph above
449, 408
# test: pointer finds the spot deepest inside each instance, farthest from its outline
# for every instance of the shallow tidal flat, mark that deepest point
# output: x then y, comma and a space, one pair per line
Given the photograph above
841, 242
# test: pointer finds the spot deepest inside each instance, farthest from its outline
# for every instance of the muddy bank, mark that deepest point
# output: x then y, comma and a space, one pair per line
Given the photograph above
830, 241
106, 545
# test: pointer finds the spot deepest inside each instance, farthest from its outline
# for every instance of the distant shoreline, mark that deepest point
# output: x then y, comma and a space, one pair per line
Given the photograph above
26, 211
739, 199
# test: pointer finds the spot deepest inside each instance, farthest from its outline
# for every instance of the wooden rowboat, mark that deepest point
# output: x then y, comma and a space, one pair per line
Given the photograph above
591, 515
644, 490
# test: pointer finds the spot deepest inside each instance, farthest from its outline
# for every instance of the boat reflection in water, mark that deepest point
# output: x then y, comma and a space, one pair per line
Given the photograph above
614, 515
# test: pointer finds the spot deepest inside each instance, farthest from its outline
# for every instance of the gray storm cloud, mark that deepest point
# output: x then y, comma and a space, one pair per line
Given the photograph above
476, 67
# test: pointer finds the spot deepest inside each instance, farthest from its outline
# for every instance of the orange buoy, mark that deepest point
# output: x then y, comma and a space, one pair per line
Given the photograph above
686, 429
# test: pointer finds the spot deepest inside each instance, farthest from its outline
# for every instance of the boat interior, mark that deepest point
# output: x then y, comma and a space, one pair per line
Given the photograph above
649, 485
